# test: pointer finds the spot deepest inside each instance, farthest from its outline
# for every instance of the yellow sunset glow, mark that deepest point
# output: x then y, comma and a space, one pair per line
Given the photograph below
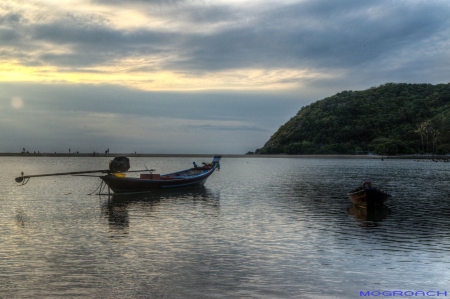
241, 79
123, 73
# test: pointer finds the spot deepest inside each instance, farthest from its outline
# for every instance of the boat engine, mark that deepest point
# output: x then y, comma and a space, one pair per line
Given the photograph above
119, 164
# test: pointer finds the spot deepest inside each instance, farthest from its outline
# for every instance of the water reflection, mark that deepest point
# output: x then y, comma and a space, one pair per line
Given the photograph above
21, 218
116, 207
369, 217
278, 228
117, 215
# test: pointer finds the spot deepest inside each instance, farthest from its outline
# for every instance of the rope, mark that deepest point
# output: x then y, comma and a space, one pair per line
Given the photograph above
100, 188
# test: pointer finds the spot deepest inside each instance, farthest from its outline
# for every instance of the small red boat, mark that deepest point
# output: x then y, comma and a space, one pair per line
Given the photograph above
368, 196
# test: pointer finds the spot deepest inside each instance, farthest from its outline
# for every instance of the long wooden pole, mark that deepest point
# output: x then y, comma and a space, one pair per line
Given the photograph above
21, 178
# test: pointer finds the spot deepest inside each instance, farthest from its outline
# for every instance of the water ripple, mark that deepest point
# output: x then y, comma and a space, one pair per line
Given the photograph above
260, 228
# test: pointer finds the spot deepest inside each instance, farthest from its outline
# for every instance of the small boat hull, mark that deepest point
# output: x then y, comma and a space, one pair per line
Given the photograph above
368, 196
181, 179
123, 185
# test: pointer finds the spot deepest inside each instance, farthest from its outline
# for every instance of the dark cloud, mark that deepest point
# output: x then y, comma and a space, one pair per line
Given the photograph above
7, 35
211, 14
10, 18
320, 34
99, 44
100, 37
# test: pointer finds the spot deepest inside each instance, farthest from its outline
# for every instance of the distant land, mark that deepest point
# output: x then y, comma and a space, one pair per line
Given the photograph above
130, 155
436, 158
391, 119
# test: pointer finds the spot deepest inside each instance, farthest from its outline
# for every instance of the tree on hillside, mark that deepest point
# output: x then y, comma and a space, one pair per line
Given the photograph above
422, 131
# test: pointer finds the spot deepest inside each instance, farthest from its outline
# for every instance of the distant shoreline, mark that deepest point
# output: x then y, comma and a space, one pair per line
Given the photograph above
112, 155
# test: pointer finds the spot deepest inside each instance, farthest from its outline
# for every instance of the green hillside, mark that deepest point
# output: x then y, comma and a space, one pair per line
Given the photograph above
388, 119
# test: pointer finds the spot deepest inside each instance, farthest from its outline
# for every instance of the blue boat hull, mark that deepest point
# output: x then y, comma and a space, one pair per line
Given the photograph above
180, 179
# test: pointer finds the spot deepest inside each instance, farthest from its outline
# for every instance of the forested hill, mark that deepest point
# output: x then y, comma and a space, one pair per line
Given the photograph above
388, 119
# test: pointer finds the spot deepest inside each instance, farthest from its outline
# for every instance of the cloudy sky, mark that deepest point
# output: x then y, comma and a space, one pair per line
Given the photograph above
188, 76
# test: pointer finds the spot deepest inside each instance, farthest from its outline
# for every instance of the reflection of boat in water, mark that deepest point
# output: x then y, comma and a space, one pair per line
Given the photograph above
368, 196
117, 206
193, 193
363, 214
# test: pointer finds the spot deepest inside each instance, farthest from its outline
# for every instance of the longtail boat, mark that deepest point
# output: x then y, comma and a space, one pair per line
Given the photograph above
116, 176
368, 196
119, 183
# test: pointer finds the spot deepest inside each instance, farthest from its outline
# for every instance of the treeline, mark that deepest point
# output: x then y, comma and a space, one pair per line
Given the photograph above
389, 119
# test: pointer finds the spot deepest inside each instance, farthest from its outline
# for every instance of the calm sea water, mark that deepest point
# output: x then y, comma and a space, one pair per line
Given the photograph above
259, 228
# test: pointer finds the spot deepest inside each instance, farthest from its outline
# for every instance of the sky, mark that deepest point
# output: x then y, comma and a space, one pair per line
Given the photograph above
198, 77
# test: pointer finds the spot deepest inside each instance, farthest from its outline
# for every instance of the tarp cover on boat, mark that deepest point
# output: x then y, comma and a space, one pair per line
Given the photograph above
119, 164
